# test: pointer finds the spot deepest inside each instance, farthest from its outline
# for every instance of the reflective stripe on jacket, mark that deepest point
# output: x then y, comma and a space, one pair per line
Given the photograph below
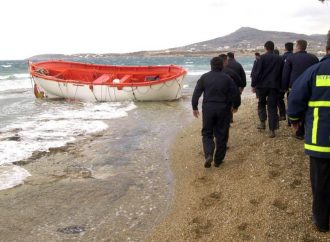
310, 95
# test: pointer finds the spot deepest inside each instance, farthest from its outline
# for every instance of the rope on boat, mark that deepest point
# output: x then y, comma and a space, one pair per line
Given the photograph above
134, 94
178, 89
67, 89
158, 88
108, 89
92, 90
114, 94
59, 85
128, 91
172, 81
139, 91
102, 92
75, 94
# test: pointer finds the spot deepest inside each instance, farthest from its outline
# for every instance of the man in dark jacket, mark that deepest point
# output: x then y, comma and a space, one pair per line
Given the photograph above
281, 104
288, 50
237, 80
237, 67
267, 84
220, 97
294, 66
254, 67
230, 72
309, 100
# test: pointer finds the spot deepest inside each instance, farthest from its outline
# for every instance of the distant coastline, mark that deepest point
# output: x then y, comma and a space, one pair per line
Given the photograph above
157, 54
243, 42
141, 54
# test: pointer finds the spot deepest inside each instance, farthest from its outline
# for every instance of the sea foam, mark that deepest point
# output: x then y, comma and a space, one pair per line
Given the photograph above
11, 176
54, 127
13, 82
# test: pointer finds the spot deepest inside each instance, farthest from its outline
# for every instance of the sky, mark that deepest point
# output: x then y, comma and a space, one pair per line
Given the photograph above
33, 27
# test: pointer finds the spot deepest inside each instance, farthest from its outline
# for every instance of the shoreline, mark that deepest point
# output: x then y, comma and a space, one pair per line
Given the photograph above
105, 186
261, 192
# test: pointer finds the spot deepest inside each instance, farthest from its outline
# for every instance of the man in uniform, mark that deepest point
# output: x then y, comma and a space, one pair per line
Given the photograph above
254, 67
220, 97
294, 66
309, 100
230, 72
281, 104
267, 84
237, 67
288, 50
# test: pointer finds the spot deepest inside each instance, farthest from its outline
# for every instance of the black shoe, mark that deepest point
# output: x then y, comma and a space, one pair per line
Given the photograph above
262, 125
323, 230
300, 137
208, 162
272, 134
217, 164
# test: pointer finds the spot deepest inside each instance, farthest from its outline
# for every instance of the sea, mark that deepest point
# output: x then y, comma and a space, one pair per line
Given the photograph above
138, 133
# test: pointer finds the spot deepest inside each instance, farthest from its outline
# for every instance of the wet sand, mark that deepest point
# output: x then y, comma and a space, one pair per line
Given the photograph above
260, 193
111, 186
75, 194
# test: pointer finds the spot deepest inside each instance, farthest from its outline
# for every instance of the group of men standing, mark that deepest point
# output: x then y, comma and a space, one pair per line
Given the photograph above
273, 76
307, 83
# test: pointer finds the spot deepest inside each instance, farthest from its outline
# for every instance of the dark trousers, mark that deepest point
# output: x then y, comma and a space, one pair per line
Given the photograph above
216, 121
287, 98
281, 104
320, 180
268, 97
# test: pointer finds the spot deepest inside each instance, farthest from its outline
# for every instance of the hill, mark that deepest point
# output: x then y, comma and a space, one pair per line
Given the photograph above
247, 38
244, 41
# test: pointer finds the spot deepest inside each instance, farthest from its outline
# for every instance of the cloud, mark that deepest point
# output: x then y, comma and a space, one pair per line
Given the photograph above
103, 26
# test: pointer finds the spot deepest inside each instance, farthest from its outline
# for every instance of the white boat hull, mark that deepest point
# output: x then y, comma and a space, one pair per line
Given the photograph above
169, 90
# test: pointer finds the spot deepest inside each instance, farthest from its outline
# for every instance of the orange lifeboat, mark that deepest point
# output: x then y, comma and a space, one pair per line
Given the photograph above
91, 82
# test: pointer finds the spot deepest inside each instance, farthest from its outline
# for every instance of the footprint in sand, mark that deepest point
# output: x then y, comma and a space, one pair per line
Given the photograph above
202, 181
295, 183
255, 202
200, 226
278, 203
272, 174
242, 228
210, 199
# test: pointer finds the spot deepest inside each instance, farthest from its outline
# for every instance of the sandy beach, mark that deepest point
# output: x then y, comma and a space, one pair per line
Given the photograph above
260, 193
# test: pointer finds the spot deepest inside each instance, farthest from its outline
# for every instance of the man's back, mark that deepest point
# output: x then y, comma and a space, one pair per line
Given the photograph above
236, 78
238, 68
268, 71
286, 55
295, 65
217, 87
